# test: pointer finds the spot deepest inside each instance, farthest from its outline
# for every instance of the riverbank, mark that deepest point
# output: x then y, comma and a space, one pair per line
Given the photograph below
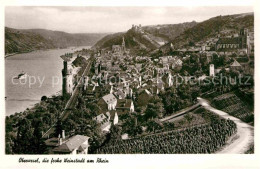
73, 48
12, 54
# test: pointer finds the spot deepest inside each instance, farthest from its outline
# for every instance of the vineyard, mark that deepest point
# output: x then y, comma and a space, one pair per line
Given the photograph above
232, 104
206, 138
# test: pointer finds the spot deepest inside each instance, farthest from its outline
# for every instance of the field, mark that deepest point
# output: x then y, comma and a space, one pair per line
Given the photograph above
234, 106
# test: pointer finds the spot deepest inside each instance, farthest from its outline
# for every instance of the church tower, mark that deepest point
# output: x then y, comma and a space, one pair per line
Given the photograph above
244, 38
123, 45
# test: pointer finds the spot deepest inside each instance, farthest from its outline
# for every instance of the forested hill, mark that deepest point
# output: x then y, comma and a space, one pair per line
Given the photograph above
169, 31
24, 40
211, 28
146, 37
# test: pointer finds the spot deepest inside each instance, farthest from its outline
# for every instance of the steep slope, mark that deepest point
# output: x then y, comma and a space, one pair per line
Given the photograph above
19, 41
24, 40
211, 28
169, 31
133, 40
146, 37
63, 39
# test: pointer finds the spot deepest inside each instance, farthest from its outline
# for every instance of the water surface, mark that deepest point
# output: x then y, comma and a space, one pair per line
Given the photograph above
44, 77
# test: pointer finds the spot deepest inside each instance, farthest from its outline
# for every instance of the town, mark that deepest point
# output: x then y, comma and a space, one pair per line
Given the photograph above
122, 99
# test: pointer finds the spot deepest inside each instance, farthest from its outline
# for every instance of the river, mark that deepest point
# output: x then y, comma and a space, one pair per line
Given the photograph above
44, 77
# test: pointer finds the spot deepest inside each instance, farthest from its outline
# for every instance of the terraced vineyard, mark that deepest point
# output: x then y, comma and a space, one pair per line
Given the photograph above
204, 138
234, 106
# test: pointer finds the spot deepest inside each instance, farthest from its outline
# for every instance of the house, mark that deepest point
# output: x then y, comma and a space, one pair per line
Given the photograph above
120, 94
143, 97
124, 106
164, 61
168, 79
108, 101
116, 48
104, 120
176, 62
138, 66
77, 144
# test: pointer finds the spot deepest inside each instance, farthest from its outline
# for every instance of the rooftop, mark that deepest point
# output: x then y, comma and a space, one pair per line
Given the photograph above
72, 143
110, 98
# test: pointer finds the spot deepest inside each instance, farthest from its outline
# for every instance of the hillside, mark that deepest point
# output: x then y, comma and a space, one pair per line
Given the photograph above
211, 28
146, 37
24, 40
180, 35
169, 31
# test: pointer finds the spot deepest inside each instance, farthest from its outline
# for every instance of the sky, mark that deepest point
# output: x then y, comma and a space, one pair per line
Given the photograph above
108, 19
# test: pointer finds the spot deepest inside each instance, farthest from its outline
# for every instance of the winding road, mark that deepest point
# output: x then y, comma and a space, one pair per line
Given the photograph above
241, 141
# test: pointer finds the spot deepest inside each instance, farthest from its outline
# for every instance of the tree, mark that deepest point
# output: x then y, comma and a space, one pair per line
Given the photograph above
58, 128
169, 125
24, 137
70, 126
44, 98
38, 144
9, 144
115, 132
153, 125
151, 111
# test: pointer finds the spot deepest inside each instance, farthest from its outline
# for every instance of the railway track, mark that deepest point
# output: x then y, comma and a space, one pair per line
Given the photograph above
72, 101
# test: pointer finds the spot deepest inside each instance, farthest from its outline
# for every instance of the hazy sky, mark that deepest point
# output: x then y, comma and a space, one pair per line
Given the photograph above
108, 19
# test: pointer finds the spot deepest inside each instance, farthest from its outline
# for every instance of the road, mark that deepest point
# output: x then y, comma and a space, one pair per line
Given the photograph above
180, 113
71, 102
240, 142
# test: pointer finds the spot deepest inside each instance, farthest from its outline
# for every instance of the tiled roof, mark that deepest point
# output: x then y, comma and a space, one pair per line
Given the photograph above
72, 143
123, 103
110, 98
235, 63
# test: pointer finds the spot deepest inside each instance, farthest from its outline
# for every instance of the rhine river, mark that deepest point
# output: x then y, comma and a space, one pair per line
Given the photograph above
43, 68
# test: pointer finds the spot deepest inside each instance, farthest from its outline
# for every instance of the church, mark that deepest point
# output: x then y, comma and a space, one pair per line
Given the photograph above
234, 43
118, 49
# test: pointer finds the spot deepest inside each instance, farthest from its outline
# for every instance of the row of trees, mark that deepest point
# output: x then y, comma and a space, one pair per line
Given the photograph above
24, 130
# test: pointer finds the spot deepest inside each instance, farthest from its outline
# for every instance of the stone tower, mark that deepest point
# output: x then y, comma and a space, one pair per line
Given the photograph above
211, 70
244, 38
67, 83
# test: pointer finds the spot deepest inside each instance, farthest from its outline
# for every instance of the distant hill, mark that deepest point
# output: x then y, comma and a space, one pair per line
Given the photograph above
146, 37
211, 28
24, 40
133, 40
169, 31
180, 35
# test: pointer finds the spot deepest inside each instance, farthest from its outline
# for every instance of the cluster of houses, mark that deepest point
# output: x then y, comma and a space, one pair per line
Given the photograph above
225, 43
119, 78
